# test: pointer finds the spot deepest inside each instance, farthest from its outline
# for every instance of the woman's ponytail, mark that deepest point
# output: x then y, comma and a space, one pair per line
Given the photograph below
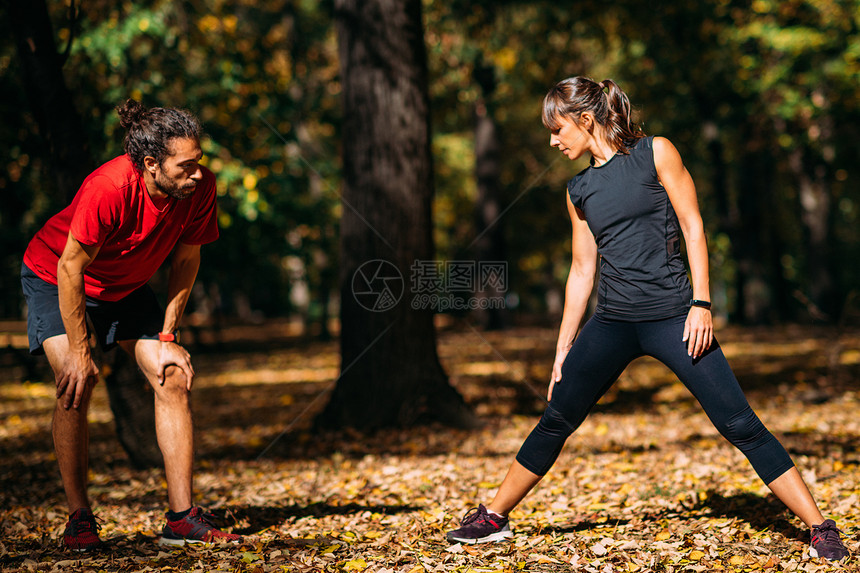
621, 129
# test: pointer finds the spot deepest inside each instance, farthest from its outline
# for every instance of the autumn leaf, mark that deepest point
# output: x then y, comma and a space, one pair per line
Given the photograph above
657, 489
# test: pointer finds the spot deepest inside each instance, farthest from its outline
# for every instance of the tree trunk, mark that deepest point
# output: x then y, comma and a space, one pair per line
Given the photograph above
747, 224
821, 300
51, 103
60, 125
490, 242
133, 407
390, 371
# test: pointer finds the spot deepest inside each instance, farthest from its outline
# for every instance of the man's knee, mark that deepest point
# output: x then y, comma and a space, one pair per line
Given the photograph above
86, 392
174, 384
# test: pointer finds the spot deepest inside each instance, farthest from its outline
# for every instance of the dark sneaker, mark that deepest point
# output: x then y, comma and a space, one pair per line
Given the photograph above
82, 531
196, 527
825, 542
478, 526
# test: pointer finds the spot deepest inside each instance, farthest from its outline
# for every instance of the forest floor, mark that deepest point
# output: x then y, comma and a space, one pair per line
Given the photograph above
646, 484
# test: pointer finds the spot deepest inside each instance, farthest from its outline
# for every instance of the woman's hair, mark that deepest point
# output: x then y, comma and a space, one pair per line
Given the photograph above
150, 131
611, 108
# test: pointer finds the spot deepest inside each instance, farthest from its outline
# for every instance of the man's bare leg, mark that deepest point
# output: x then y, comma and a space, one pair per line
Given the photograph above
70, 431
174, 427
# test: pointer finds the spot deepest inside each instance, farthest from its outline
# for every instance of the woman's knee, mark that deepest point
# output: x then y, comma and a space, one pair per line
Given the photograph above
743, 429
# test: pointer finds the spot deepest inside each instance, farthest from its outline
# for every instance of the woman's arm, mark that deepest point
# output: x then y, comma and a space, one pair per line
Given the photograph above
699, 329
577, 291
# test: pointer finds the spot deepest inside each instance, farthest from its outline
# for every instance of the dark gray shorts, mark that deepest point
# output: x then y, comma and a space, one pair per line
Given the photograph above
139, 315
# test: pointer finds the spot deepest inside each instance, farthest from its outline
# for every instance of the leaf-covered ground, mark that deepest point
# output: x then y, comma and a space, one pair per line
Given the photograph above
646, 484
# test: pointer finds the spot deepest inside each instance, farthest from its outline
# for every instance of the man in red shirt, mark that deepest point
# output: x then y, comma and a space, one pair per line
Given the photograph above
94, 259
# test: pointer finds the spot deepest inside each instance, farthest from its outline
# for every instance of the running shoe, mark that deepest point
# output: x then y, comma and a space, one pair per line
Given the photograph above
196, 527
82, 531
826, 542
479, 526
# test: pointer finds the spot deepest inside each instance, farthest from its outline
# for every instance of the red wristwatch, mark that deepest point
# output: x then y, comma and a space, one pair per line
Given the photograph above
167, 336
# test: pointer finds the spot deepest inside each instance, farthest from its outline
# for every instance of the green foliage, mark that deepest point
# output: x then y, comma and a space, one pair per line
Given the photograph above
757, 97
263, 79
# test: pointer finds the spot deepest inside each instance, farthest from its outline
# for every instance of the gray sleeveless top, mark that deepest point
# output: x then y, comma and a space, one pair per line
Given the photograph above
642, 275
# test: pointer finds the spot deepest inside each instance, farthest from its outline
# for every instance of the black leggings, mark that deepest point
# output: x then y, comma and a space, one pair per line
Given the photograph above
601, 352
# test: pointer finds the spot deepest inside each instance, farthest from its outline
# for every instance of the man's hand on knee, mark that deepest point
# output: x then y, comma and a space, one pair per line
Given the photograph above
77, 371
172, 354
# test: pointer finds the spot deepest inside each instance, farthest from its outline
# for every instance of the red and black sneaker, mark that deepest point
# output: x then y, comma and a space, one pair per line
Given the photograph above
82, 531
480, 526
826, 542
196, 527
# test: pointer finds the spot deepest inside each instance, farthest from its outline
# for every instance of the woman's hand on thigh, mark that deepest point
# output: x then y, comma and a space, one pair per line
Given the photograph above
698, 331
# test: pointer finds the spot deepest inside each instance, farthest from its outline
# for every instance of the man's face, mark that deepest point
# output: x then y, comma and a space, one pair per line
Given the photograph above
177, 176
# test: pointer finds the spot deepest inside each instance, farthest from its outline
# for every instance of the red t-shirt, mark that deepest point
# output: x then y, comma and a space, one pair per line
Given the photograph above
113, 210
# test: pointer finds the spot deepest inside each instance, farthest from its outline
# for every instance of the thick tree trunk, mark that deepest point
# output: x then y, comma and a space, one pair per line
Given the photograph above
60, 125
51, 103
390, 371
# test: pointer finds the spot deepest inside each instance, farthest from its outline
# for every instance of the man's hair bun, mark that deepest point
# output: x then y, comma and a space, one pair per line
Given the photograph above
131, 113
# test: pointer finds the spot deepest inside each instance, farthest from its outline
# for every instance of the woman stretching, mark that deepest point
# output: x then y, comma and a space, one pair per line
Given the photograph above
630, 207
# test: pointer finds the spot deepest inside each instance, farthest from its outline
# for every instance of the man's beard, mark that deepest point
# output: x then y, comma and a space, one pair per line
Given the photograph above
171, 189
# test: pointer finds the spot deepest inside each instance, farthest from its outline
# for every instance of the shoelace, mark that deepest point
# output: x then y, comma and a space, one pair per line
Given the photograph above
472, 515
86, 523
826, 532
203, 517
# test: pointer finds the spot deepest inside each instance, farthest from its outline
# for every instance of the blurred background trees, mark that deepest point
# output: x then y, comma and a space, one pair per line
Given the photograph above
760, 97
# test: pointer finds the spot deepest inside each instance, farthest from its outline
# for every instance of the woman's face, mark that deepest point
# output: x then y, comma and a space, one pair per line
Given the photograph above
569, 138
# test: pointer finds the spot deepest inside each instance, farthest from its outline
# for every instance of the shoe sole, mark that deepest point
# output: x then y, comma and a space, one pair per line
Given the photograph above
814, 553
83, 549
181, 542
96, 545
493, 537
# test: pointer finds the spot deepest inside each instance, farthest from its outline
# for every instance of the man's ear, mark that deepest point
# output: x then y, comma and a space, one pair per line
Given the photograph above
150, 163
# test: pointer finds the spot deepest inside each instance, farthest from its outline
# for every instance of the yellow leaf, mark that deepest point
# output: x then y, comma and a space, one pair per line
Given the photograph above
373, 534
601, 430
598, 506
542, 559
696, 555
632, 567
837, 466
356, 565
736, 560
663, 535
488, 484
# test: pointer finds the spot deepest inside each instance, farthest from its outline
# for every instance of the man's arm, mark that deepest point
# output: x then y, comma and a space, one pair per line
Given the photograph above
78, 365
183, 272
